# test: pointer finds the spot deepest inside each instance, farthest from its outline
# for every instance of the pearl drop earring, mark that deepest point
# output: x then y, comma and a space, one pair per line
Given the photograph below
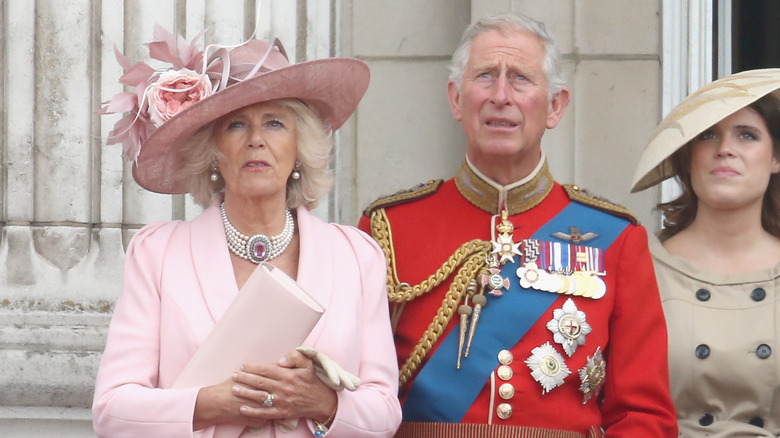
296, 175
214, 175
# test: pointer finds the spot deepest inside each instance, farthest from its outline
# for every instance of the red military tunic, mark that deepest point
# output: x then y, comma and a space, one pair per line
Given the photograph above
627, 322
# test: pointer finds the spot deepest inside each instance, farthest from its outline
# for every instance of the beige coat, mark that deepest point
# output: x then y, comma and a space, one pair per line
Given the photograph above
724, 354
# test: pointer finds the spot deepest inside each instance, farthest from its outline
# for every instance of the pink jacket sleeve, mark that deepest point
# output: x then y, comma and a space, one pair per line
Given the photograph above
127, 402
373, 410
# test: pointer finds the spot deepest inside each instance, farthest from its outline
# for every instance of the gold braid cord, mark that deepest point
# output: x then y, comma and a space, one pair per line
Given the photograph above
471, 257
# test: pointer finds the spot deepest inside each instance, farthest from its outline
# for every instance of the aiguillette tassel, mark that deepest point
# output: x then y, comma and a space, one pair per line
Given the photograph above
479, 303
464, 310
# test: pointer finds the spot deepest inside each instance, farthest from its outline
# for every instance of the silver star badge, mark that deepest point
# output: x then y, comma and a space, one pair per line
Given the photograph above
547, 367
569, 327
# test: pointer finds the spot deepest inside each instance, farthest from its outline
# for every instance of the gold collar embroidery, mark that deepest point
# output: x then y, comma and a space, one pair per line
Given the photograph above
488, 195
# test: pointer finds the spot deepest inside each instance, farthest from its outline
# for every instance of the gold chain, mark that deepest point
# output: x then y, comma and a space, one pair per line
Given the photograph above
471, 255
469, 270
399, 292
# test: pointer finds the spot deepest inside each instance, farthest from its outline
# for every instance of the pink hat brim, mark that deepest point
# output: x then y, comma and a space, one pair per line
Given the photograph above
332, 87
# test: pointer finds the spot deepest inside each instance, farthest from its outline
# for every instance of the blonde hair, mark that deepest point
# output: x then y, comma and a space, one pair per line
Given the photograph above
315, 146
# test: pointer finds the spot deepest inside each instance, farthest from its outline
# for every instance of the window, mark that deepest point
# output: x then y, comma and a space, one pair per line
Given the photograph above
755, 40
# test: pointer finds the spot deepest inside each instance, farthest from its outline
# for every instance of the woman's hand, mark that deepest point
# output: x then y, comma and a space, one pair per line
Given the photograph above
219, 404
297, 391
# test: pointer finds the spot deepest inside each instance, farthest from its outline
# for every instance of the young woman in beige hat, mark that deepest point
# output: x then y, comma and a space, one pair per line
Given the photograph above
718, 258
249, 136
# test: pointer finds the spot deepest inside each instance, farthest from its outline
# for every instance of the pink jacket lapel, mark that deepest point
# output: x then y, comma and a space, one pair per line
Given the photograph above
316, 263
211, 261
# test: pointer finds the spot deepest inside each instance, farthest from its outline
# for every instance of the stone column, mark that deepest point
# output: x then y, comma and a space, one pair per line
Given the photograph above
68, 204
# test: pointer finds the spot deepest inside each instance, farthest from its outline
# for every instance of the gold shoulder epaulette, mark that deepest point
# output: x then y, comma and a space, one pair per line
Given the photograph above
583, 197
406, 195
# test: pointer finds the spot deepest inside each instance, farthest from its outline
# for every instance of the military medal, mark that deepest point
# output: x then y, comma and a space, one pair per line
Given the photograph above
562, 268
601, 288
592, 376
503, 245
493, 279
530, 274
547, 367
569, 327
551, 283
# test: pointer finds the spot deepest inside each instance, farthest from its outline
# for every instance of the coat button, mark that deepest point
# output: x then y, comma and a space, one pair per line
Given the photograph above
702, 294
504, 411
706, 419
758, 294
702, 351
506, 391
757, 421
505, 372
764, 351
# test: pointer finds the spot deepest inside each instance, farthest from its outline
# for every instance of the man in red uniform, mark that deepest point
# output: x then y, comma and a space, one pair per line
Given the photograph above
522, 307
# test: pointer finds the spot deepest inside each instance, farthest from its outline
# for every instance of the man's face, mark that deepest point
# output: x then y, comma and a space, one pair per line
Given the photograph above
503, 103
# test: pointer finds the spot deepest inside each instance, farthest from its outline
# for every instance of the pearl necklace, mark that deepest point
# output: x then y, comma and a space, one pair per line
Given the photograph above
258, 248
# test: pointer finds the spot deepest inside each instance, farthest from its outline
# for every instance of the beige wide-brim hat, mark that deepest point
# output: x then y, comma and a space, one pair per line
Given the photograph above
696, 113
332, 87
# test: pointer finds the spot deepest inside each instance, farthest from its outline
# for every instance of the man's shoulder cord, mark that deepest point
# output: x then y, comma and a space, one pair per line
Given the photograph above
470, 257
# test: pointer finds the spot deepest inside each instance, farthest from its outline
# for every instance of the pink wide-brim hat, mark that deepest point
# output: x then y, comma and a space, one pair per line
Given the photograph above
697, 113
331, 87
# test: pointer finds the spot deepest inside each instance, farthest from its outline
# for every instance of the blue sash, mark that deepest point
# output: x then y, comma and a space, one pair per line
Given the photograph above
441, 392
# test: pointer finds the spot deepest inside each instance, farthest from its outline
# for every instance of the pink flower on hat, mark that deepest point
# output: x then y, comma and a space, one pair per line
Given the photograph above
174, 92
159, 94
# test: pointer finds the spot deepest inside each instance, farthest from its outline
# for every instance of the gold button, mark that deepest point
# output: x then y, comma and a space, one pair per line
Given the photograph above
504, 411
505, 357
505, 372
506, 391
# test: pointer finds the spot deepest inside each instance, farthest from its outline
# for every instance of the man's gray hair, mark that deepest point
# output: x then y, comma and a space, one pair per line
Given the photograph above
517, 22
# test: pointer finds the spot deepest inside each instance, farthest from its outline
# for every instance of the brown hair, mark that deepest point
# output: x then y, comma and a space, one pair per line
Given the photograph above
679, 213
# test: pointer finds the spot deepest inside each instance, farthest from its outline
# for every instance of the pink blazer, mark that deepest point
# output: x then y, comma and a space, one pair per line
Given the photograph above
178, 281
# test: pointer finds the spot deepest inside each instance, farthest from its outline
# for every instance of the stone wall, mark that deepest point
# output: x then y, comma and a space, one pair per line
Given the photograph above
611, 52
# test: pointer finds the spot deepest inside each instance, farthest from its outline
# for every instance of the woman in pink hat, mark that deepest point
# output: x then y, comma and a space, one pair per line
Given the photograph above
248, 135
718, 258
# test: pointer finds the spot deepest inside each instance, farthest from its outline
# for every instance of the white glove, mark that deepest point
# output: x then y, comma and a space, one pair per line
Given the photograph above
329, 371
